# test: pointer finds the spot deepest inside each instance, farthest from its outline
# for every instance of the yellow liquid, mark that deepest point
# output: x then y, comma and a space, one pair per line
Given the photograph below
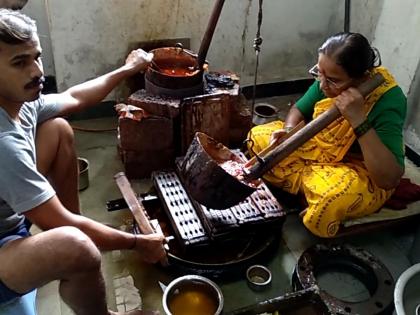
192, 302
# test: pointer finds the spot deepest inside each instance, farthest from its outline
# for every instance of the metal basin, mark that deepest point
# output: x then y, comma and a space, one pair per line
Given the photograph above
192, 294
406, 293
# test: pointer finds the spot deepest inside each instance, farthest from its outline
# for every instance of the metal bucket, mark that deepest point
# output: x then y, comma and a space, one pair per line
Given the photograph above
192, 294
205, 180
83, 166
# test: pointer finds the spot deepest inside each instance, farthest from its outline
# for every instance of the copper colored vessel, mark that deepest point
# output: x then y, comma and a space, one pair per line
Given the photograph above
174, 72
178, 72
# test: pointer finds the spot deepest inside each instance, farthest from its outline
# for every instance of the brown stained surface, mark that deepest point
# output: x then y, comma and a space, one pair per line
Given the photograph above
221, 113
208, 114
146, 146
155, 104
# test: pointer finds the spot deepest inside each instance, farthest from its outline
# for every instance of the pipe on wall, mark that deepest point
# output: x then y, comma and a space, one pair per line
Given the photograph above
347, 6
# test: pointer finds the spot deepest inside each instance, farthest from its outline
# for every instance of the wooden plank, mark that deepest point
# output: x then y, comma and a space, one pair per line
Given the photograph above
135, 206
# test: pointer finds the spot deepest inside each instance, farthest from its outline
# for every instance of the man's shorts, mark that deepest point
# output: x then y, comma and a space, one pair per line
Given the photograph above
21, 231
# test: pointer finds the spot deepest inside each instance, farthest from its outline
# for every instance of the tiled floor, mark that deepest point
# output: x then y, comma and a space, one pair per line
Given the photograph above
125, 273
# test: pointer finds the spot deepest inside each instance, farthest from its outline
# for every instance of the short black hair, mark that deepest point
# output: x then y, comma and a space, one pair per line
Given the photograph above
353, 52
16, 28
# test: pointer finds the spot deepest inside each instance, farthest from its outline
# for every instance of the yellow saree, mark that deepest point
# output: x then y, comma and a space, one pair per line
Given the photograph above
335, 190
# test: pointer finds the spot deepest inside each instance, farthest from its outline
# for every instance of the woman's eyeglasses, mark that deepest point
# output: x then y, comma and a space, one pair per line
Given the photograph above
314, 71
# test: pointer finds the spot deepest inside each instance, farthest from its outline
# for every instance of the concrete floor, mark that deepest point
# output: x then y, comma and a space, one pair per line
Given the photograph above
131, 283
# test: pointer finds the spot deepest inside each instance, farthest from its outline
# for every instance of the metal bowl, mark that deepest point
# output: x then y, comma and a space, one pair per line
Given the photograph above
264, 113
83, 173
406, 298
258, 277
192, 294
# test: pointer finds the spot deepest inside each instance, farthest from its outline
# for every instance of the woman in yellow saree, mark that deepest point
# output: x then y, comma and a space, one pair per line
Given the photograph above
350, 168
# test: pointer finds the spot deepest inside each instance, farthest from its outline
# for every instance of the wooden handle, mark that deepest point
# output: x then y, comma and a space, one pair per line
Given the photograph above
136, 207
273, 145
205, 43
307, 132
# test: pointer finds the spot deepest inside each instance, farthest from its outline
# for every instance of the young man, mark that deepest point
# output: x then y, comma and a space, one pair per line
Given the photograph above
35, 146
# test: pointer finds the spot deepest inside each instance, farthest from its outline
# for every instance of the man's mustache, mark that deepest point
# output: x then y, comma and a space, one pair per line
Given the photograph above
35, 82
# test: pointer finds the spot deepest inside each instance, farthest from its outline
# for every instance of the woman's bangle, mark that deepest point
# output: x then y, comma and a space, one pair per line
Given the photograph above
134, 243
288, 129
362, 128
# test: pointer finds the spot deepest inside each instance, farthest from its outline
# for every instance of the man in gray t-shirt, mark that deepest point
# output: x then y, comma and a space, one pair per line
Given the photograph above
23, 187
38, 179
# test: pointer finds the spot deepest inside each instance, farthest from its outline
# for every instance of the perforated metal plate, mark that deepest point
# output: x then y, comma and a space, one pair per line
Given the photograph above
258, 209
195, 224
267, 203
179, 209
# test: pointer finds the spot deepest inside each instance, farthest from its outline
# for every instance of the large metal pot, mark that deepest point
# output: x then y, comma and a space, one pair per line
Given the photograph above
174, 72
178, 72
192, 294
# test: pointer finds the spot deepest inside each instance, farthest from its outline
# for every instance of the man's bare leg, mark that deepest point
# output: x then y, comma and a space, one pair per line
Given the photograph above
65, 254
57, 160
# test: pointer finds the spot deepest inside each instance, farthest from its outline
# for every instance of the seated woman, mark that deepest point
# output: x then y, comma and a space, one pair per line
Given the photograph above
350, 168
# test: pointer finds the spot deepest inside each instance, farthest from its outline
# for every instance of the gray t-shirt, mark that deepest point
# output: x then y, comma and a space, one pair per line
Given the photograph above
22, 187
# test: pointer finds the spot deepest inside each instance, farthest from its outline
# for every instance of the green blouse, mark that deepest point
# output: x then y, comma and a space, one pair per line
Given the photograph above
387, 116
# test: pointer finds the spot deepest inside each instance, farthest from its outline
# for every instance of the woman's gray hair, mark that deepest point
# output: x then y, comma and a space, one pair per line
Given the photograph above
16, 28
353, 52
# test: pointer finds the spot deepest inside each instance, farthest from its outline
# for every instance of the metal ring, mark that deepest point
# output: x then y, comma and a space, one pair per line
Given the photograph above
358, 262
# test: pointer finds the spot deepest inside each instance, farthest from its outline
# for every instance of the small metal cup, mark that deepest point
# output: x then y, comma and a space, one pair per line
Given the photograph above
258, 277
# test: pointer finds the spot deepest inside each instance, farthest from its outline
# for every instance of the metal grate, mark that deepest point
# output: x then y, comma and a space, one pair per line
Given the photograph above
263, 199
267, 203
260, 209
195, 224
181, 212
218, 223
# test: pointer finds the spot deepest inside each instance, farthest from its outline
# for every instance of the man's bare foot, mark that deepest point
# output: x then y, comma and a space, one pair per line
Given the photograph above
135, 312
